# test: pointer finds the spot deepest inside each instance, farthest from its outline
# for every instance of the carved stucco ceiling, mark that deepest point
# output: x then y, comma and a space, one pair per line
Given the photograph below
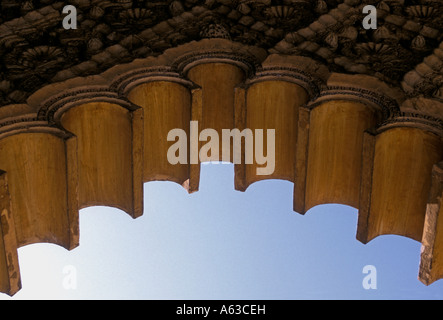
405, 50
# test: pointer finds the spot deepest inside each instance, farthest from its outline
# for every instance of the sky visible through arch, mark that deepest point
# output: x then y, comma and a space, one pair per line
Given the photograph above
219, 243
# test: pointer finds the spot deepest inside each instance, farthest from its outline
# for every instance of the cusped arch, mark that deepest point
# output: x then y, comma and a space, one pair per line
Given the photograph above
338, 138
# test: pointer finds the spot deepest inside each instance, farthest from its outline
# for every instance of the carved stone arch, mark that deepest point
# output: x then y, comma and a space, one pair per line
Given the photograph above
363, 108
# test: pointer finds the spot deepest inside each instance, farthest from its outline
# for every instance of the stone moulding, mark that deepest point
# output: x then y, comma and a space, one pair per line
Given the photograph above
52, 109
186, 62
293, 75
125, 83
413, 119
66, 120
382, 104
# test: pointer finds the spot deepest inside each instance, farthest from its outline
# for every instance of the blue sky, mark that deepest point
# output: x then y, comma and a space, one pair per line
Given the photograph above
219, 243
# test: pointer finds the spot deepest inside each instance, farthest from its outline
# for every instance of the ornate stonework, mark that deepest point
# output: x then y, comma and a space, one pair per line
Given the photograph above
35, 50
359, 112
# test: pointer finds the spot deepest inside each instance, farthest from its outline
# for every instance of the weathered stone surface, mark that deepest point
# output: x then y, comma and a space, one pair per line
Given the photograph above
342, 97
252, 23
